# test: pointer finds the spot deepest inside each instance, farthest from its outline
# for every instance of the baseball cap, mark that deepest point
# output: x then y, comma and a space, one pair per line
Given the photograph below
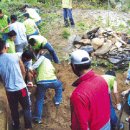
80, 57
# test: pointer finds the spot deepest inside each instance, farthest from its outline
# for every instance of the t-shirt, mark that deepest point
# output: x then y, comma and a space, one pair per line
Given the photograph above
67, 4
10, 72
11, 46
20, 30
27, 64
30, 26
40, 41
33, 14
110, 81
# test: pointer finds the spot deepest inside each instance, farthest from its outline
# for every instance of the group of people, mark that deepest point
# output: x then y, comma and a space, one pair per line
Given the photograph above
22, 60
91, 102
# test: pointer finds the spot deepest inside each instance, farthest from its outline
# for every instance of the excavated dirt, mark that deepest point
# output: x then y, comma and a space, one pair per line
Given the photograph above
59, 118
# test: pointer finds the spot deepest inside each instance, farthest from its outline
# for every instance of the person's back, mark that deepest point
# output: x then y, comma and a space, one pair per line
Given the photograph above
10, 42
30, 26
40, 41
21, 38
33, 14
45, 71
110, 81
46, 79
20, 30
10, 72
93, 93
110, 78
90, 102
67, 4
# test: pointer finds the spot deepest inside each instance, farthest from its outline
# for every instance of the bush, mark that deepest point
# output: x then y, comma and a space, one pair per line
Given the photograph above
65, 34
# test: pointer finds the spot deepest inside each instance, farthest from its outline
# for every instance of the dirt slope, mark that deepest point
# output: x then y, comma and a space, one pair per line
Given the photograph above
59, 119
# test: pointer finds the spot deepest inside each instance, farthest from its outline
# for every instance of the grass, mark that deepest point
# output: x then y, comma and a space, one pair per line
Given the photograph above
65, 34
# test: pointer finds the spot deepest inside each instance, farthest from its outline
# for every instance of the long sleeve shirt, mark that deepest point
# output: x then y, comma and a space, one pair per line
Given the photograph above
90, 103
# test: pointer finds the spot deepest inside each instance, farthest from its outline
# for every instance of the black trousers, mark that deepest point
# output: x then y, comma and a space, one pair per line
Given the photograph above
21, 97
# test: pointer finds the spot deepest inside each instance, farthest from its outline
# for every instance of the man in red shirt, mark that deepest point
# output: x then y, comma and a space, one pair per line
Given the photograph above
90, 102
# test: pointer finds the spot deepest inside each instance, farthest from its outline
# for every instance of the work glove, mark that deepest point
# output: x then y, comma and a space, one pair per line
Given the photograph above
118, 106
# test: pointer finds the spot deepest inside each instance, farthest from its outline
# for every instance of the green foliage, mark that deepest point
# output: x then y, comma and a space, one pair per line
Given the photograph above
128, 32
81, 25
103, 63
65, 34
128, 22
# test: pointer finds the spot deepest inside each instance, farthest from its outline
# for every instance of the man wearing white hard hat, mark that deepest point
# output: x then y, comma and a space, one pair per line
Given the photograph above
90, 102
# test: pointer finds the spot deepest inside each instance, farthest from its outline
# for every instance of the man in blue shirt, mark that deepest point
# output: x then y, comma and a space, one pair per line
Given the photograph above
10, 71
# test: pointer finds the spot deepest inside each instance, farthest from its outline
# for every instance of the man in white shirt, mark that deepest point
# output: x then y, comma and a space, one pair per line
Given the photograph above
33, 14
12, 72
19, 28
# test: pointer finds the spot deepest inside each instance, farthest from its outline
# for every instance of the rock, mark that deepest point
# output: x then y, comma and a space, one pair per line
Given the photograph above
104, 49
74, 38
101, 31
113, 52
118, 44
85, 41
89, 49
97, 42
113, 47
113, 40
119, 39
120, 49
85, 36
128, 41
77, 39
92, 34
124, 37
71, 40
114, 61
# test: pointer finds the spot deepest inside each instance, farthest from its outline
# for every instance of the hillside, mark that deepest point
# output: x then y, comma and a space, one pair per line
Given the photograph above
86, 18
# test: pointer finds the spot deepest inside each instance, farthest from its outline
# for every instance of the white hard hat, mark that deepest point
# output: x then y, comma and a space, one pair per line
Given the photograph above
80, 57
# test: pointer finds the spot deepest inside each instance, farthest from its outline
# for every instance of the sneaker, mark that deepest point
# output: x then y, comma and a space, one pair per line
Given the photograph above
121, 126
115, 127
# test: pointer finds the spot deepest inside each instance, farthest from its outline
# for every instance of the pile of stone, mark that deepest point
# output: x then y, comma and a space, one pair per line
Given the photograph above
105, 43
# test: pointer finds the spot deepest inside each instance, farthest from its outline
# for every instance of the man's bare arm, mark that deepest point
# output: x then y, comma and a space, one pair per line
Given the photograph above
22, 68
